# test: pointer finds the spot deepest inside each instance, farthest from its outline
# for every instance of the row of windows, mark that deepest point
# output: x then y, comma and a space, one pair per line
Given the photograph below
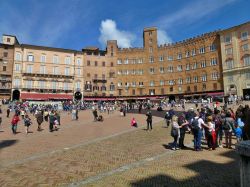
231, 78
203, 78
96, 63
171, 89
229, 51
55, 70
230, 63
152, 70
228, 38
188, 53
151, 60
130, 61
43, 59
43, 84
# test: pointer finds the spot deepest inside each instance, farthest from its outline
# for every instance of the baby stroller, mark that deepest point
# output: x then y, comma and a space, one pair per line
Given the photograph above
100, 118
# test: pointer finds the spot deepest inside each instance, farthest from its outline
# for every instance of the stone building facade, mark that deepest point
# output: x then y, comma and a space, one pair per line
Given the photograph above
6, 65
99, 71
187, 68
42, 73
235, 52
206, 65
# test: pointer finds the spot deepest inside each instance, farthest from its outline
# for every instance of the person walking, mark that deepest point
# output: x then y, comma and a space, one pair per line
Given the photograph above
95, 114
149, 120
51, 121
73, 113
27, 122
14, 123
39, 119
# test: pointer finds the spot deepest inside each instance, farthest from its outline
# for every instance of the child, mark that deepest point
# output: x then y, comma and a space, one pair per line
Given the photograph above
133, 123
238, 133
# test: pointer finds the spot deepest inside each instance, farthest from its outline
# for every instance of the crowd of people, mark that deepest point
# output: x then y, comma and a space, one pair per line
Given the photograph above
210, 125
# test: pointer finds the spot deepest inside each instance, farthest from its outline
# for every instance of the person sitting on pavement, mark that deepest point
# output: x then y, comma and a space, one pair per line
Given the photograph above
133, 122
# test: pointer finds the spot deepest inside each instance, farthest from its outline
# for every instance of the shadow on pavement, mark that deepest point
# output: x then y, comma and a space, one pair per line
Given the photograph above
208, 173
7, 143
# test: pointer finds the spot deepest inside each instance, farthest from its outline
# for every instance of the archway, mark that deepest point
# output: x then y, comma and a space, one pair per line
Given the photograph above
171, 98
15, 95
78, 96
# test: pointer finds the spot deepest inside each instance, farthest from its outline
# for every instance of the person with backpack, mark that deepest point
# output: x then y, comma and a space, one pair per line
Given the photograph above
14, 123
196, 126
228, 127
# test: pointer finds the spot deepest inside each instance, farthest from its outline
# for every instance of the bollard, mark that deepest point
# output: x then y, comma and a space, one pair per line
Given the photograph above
243, 149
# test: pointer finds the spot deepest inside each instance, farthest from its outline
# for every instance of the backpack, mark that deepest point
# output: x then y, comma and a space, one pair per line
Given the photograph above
195, 124
217, 122
226, 125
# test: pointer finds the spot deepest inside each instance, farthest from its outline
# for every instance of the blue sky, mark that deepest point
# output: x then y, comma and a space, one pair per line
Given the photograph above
75, 24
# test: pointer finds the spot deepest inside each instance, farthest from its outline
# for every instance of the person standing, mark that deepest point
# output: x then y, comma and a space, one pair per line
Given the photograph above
228, 127
51, 121
182, 122
14, 123
175, 132
46, 115
149, 120
39, 119
196, 125
211, 139
76, 114
0, 116
8, 112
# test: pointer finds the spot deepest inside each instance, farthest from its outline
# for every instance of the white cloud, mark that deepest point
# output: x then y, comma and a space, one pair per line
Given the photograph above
109, 31
192, 13
163, 38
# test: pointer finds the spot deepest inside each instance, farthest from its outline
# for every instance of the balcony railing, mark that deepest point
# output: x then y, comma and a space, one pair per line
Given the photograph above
5, 79
5, 87
99, 80
46, 74
26, 87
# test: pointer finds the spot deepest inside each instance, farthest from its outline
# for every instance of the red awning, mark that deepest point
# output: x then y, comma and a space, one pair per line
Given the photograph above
98, 99
40, 96
216, 94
